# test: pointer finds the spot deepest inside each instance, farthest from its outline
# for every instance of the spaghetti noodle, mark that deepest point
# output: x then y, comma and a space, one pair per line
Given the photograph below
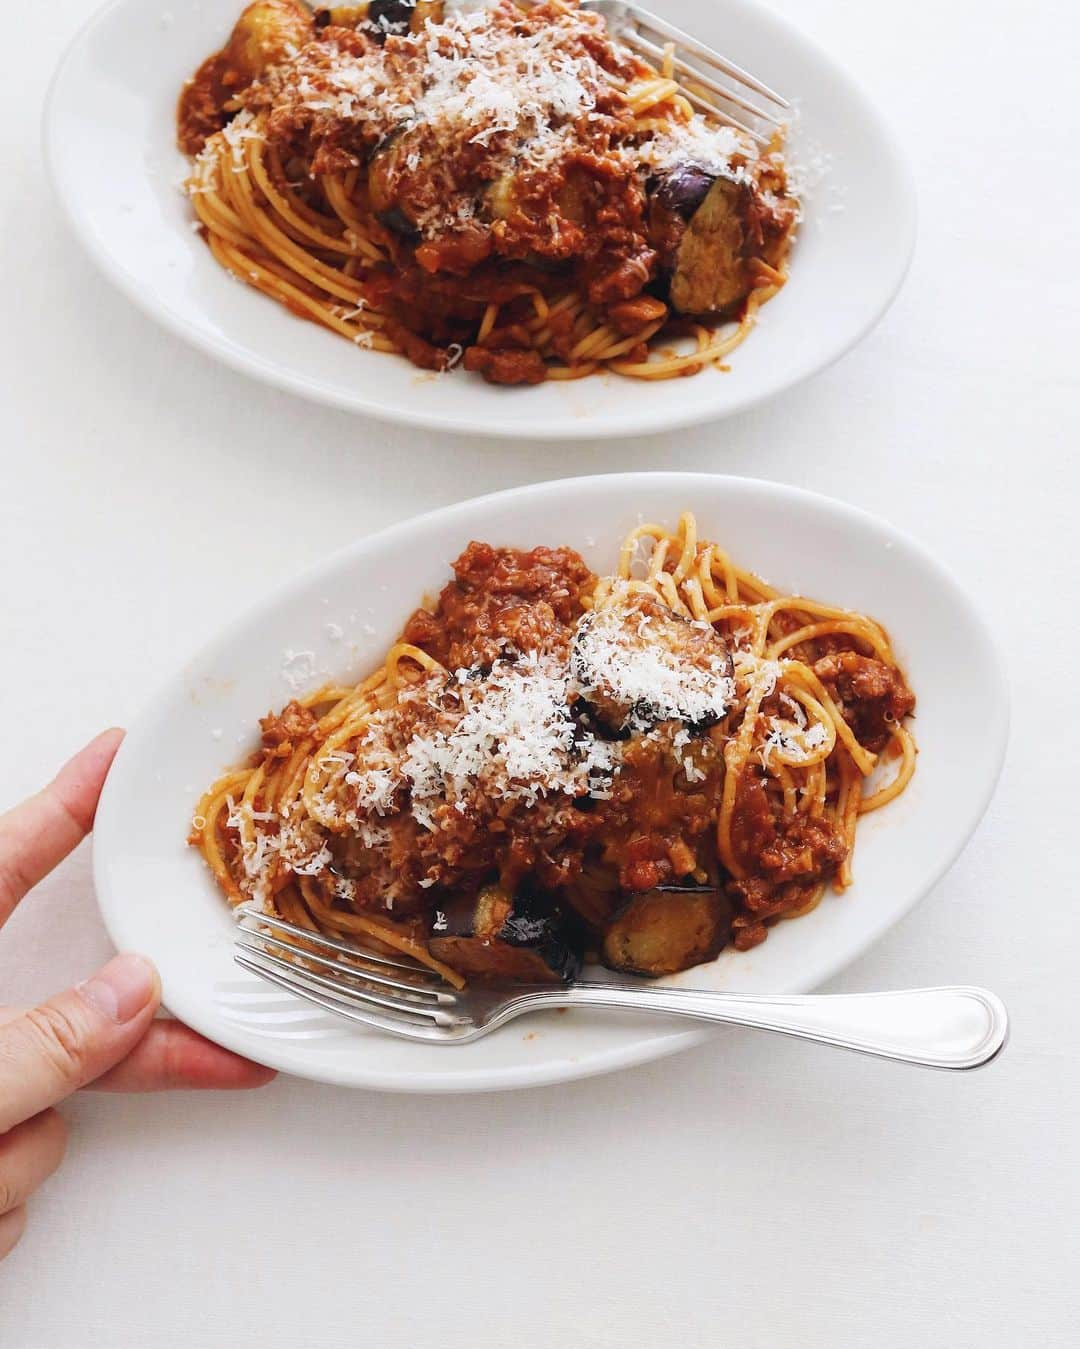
676, 739
504, 187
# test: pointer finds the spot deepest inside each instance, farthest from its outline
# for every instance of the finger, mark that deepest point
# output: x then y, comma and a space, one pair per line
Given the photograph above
52, 1050
171, 1055
12, 1226
29, 1154
39, 833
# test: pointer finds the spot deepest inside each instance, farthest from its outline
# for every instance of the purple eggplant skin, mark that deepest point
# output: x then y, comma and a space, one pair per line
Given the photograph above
390, 16
492, 936
382, 172
709, 271
709, 231
399, 223
379, 19
684, 189
696, 225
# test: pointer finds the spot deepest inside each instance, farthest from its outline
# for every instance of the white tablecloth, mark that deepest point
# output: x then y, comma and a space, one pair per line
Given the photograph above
755, 1193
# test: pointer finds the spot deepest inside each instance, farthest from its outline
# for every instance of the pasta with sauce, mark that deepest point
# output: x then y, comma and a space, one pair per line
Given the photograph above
646, 767
504, 187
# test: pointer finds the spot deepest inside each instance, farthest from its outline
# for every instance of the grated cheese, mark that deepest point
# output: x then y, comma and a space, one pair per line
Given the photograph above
797, 743
258, 850
509, 734
298, 668
459, 744
631, 664
719, 150
481, 78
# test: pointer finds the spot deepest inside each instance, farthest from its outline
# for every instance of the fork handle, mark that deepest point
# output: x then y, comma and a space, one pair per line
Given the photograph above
952, 1027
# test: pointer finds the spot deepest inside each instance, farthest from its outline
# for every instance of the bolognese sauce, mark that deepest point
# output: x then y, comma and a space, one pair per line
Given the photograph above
650, 765
506, 187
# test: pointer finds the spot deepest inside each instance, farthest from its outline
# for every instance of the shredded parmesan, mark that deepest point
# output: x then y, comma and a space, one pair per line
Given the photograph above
719, 150
463, 750
796, 743
631, 664
297, 668
482, 78
258, 850
509, 735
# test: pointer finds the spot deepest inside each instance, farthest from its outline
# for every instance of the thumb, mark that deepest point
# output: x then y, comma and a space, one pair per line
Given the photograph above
52, 1050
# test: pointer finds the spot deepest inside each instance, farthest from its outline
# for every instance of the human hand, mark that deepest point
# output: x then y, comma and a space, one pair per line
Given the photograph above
102, 1033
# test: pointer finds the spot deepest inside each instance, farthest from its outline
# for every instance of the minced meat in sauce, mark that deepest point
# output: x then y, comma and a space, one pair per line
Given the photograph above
469, 211
654, 821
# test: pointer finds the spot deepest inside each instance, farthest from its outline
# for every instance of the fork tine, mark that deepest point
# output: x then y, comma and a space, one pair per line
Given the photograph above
646, 20
706, 82
638, 44
347, 993
704, 105
249, 940
273, 920
413, 1030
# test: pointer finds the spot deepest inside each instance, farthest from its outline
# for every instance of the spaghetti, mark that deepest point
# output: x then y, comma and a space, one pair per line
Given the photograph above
504, 187
664, 760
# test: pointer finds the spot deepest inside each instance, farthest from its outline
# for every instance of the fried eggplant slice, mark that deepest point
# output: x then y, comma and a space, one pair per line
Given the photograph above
711, 232
265, 33
710, 270
498, 938
384, 171
668, 929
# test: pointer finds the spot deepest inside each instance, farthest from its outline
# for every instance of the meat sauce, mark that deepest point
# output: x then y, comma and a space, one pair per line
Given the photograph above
872, 696
500, 597
461, 229
654, 826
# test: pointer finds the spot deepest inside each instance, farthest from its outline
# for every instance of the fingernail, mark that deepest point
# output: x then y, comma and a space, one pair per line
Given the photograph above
122, 988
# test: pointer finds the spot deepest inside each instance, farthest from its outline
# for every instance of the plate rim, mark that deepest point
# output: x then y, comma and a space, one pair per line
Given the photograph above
646, 1049
566, 426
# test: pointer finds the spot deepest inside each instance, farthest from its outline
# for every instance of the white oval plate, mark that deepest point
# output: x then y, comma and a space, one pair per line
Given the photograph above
112, 104
157, 896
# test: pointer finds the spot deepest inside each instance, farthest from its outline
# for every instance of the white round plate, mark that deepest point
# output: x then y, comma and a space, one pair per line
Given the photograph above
109, 138
158, 897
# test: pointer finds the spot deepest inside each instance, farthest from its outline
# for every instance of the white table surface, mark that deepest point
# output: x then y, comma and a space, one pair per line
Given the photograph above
754, 1193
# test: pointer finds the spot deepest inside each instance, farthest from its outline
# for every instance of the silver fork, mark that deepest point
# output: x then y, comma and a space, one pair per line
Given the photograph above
953, 1027
711, 82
